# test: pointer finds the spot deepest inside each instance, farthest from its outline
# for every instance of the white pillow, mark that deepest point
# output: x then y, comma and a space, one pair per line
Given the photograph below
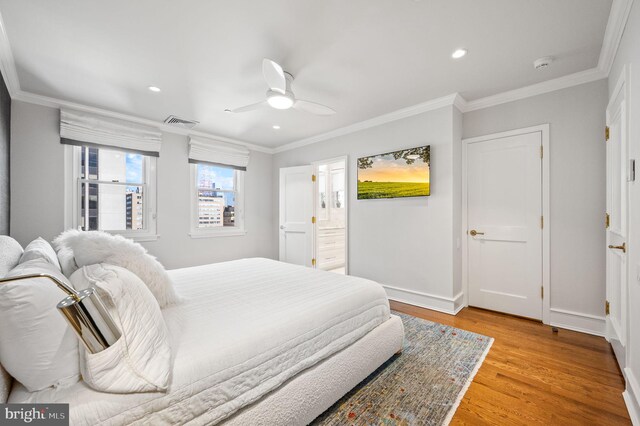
67, 261
37, 347
11, 251
40, 249
140, 361
92, 247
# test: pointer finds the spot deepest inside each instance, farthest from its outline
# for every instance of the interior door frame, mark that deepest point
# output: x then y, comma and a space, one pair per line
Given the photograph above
622, 88
546, 252
347, 192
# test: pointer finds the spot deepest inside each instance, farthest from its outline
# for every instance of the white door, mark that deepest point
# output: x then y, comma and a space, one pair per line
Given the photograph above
617, 226
296, 210
504, 217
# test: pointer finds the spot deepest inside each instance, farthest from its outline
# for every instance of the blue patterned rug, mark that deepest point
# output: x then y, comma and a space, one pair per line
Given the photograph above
421, 386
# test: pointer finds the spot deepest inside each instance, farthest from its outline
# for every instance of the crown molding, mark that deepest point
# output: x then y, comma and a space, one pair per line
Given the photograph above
559, 83
7, 63
616, 23
373, 122
47, 101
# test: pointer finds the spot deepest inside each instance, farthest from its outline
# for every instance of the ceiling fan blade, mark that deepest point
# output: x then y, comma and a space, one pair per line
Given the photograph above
313, 107
274, 75
251, 107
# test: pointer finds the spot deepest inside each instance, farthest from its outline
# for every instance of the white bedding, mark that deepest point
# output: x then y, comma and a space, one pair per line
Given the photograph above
243, 329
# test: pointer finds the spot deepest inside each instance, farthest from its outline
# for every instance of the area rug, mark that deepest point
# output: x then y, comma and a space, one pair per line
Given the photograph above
422, 386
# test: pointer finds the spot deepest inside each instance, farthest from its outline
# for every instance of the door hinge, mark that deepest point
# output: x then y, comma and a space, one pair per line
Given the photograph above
541, 151
541, 292
541, 222
607, 220
607, 309
313, 262
313, 178
313, 219
606, 133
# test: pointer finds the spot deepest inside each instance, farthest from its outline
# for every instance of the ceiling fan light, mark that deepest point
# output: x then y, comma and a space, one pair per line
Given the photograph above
279, 101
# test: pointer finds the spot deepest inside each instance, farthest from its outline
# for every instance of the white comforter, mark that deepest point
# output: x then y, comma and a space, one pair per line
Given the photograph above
243, 328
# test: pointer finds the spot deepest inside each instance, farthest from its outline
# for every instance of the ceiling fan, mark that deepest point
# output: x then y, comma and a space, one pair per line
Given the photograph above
279, 95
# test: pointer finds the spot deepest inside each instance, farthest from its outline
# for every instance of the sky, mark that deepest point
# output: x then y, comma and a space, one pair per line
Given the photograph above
386, 169
134, 168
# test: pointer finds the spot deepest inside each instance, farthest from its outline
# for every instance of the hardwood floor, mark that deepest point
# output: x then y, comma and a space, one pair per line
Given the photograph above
534, 376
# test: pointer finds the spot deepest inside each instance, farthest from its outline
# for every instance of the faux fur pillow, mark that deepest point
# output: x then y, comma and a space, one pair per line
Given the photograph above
140, 360
92, 247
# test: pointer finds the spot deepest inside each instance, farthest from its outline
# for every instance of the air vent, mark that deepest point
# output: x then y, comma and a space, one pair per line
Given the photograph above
172, 120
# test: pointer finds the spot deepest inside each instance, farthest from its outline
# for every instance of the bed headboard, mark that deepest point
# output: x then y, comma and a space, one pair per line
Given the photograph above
11, 252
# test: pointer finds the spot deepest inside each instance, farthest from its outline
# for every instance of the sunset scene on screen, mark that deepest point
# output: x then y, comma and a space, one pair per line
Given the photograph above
403, 173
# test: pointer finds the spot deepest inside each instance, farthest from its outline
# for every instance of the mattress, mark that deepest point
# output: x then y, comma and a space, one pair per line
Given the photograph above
242, 329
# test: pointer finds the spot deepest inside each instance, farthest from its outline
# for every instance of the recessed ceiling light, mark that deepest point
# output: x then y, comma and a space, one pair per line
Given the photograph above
275, 126
227, 110
459, 53
154, 88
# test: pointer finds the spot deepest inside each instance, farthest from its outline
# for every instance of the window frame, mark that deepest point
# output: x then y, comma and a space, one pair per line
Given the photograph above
222, 231
73, 194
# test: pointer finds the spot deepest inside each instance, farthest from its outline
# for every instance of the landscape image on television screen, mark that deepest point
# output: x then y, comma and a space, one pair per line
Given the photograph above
403, 173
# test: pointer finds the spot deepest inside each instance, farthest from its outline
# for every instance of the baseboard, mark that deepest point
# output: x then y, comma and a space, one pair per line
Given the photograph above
577, 321
447, 305
631, 395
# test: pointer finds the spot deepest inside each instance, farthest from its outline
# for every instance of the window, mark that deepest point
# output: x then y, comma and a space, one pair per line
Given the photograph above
112, 191
216, 200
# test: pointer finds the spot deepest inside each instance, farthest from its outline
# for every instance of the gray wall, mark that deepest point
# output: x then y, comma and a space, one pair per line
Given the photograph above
405, 243
577, 172
5, 120
629, 55
37, 194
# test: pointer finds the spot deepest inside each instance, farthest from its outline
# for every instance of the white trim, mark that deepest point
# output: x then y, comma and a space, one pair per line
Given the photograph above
71, 197
577, 321
23, 96
238, 229
618, 17
376, 121
546, 211
447, 305
632, 396
7, 62
559, 83
465, 388
315, 165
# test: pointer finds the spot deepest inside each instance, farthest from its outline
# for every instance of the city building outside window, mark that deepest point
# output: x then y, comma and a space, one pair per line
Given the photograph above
216, 200
113, 191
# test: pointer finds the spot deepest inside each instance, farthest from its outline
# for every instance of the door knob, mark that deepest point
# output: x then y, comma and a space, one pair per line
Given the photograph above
281, 226
473, 233
623, 247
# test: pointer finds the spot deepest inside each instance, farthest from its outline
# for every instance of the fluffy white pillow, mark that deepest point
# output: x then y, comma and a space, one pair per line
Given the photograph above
40, 249
37, 347
11, 252
92, 247
67, 261
140, 361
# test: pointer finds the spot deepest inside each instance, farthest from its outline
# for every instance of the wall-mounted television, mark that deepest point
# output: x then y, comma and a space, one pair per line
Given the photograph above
398, 174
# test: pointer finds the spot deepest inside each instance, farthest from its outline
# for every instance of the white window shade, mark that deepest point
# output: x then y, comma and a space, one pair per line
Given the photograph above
220, 153
84, 128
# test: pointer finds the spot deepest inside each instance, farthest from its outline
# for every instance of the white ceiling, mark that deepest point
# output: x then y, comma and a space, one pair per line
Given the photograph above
364, 58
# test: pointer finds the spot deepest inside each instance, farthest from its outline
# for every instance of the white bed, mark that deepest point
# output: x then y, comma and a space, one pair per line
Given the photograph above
254, 341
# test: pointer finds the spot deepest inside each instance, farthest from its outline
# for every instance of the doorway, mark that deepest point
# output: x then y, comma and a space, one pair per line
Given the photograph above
331, 215
505, 198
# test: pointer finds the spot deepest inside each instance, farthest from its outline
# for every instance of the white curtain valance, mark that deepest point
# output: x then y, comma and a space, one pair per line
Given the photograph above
84, 128
203, 150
